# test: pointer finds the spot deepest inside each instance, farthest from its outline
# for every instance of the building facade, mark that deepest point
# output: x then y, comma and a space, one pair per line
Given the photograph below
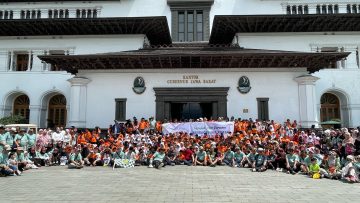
86, 63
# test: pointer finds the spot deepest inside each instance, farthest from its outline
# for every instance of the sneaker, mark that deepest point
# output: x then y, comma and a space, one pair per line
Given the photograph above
236, 165
150, 166
161, 165
172, 164
253, 170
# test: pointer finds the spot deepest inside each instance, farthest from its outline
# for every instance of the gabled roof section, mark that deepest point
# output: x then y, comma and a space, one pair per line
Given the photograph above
226, 26
195, 55
155, 27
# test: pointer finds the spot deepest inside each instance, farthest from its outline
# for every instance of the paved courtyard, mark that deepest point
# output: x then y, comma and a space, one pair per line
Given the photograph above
171, 184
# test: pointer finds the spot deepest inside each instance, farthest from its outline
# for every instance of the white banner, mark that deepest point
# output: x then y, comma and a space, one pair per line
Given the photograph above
199, 128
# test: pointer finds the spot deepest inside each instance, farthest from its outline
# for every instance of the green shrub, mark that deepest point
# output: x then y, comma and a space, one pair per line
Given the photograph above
16, 119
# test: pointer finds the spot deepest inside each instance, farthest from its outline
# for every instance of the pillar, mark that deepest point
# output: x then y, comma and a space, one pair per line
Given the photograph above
307, 101
35, 111
77, 115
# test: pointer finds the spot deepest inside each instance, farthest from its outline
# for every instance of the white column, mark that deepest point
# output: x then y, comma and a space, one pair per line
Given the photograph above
35, 111
11, 62
29, 61
78, 99
307, 101
37, 64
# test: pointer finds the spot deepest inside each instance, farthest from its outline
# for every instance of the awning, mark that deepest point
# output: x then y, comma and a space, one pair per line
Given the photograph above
193, 55
226, 26
155, 27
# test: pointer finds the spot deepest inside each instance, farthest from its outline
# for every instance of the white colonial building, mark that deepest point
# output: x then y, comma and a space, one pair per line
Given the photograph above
86, 63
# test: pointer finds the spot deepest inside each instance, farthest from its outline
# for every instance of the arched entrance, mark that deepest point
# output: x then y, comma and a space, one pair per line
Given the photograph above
21, 106
57, 111
330, 108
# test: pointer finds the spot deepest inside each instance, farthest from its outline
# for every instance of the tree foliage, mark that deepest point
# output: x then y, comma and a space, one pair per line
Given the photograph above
15, 119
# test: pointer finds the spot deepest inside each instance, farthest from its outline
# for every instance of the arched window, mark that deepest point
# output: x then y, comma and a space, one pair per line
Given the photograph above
330, 107
57, 110
21, 106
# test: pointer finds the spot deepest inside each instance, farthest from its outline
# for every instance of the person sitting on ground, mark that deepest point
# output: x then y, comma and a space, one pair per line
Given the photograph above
188, 156
314, 168
211, 156
76, 161
94, 158
170, 156
250, 158
5, 169
13, 164
348, 171
240, 157
260, 161
292, 162
43, 157
270, 162
229, 158
332, 166
157, 160
303, 163
200, 157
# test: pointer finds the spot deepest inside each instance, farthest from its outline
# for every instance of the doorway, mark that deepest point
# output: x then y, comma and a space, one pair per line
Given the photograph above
191, 110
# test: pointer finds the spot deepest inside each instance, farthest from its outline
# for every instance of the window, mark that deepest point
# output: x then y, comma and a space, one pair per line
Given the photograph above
354, 8
21, 106
83, 13
288, 10
77, 13
190, 20
190, 26
336, 9
61, 13
4, 14
306, 9
120, 109
66, 13
22, 62
294, 10
94, 13
263, 108
38, 14
318, 11
89, 13
57, 110
348, 8
330, 9
323, 9
50, 13
300, 9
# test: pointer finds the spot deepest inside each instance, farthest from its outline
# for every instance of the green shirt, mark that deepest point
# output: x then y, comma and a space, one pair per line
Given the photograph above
31, 140
10, 139
74, 157
2, 139
239, 156
201, 155
229, 155
3, 158
292, 158
159, 156
118, 155
23, 139
314, 168
42, 156
20, 157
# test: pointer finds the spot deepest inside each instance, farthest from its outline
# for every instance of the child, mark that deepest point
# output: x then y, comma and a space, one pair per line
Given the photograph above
314, 168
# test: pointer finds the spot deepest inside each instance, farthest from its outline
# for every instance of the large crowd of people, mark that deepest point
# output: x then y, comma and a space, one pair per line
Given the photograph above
257, 145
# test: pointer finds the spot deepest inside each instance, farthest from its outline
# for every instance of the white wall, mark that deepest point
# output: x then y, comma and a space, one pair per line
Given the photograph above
342, 81
280, 87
